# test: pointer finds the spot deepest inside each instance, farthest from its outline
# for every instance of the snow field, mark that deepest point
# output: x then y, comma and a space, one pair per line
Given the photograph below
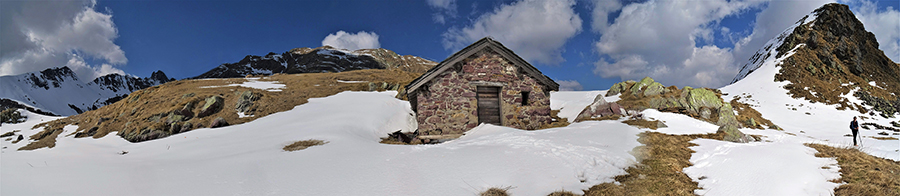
271, 86
247, 159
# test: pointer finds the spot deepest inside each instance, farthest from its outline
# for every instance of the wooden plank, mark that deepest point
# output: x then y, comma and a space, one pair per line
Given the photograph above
488, 96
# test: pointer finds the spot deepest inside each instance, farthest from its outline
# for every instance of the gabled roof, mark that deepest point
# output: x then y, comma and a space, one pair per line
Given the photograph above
470, 50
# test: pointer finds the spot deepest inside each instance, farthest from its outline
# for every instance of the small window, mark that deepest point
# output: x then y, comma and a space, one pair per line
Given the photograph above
525, 97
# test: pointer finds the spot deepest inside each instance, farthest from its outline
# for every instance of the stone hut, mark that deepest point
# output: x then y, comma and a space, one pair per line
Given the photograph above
482, 83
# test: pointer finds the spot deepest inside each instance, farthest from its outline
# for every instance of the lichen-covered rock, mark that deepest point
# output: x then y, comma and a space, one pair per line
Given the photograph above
187, 126
732, 134
637, 87
618, 88
213, 105
655, 88
245, 101
700, 98
726, 116
186, 111
175, 128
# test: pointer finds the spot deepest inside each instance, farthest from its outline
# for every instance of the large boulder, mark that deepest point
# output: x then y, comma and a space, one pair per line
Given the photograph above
726, 116
245, 101
213, 105
655, 88
618, 88
732, 134
600, 108
637, 87
700, 98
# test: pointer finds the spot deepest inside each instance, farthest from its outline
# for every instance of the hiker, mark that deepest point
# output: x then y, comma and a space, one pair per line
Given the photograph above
854, 127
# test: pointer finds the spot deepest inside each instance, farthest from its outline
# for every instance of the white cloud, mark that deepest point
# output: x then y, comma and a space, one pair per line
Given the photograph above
445, 9
569, 85
885, 24
534, 29
659, 39
350, 41
601, 11
51, 34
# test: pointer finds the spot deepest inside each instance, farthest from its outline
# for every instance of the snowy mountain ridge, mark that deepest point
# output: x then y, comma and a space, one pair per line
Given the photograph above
319, 60
59, 91
768, 51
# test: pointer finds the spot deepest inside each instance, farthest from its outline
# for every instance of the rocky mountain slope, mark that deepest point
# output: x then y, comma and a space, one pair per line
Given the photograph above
829, 57
319, 60
58, 91
818, 75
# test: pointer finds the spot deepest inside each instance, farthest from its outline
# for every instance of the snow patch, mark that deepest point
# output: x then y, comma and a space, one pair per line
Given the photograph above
760, 168
351, 82
679, 124
271, 86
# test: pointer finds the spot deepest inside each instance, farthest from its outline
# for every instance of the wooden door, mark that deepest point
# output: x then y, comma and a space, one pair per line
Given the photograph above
488, 104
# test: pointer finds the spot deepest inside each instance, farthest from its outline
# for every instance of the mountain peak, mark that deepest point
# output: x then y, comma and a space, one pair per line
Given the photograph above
829, 54
158, 75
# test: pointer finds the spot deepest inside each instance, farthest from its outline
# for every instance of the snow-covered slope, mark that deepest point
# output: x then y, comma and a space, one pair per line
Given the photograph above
59, 91
247, 159
769, 52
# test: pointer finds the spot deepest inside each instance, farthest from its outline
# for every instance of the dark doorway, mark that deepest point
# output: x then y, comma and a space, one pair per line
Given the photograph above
488, 104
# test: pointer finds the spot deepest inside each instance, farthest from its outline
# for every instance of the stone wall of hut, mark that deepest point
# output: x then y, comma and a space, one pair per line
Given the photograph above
448, 104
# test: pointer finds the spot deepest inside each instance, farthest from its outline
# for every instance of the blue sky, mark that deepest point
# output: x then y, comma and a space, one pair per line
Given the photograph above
581, 44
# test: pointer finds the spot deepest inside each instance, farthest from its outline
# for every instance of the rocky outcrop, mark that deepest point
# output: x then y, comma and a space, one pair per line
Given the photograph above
11, 116
319, 60
701, 103
245, 101
600, 108
213, 105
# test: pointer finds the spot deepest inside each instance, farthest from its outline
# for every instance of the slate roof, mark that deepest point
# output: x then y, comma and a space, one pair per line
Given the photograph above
470, 50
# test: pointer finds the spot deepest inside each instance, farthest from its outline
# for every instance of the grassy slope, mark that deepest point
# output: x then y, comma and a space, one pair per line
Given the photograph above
148, 108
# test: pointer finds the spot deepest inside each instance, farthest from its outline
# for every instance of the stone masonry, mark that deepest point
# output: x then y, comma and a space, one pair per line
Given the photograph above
448, 104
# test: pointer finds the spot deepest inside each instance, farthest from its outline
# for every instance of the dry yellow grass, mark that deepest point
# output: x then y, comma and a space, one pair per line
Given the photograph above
557, 121
749, 117
662, 158
863, 174
303, 144
148, 108
495, 192
883, 138
643, 123
45, 138
562, 193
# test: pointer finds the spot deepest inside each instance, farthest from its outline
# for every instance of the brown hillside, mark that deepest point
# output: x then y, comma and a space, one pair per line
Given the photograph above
175, 107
